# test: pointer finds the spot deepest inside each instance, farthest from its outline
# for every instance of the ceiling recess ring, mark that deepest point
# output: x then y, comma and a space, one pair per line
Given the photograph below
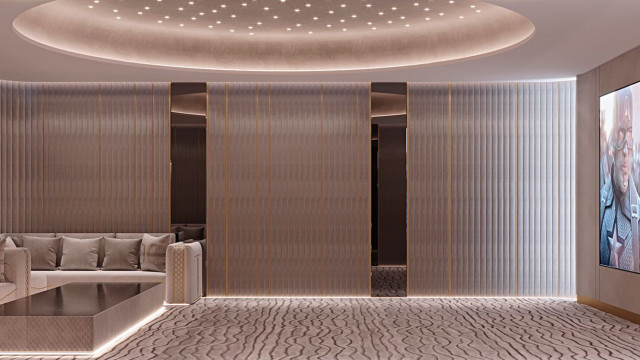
275, 35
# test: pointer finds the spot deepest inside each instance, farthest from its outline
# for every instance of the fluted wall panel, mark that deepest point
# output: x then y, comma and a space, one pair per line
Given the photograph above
288, 189
428, 190
501, 221
82, 157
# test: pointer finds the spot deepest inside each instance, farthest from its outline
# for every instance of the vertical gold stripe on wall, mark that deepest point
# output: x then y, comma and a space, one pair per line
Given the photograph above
100, 157
269, 189
516, 194
408, 189
450, 196
357, 140
153, 153
207, 226
43, 159
19, 160
170, 169
135, 157
322, 186
257, 185
558, 194
226, 187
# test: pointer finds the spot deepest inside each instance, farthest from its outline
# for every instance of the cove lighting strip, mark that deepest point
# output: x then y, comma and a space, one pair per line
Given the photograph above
94, 354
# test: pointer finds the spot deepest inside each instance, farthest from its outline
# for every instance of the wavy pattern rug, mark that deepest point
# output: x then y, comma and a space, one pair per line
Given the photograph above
383, 328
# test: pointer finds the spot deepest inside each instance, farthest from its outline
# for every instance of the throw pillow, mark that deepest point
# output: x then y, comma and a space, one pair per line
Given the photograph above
2, 246
43, 251
153, 252
192, 233
121, 254
10, 242
80, 254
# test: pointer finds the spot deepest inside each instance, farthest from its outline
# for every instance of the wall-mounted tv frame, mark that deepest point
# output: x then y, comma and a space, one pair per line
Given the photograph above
619, 160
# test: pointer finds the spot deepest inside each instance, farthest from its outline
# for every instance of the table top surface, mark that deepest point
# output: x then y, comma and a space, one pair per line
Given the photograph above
75, 299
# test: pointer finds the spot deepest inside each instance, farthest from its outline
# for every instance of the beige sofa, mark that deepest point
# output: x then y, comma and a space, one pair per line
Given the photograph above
17, 263
30, 282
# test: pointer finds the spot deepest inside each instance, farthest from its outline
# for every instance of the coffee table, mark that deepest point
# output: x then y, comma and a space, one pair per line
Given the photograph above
77, 317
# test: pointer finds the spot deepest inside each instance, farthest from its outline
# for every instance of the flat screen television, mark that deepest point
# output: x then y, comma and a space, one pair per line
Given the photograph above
619, 201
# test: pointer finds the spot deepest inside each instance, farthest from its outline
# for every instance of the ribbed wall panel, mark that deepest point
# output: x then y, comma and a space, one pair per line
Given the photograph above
494, 183
428, 190
288, 189
73, 161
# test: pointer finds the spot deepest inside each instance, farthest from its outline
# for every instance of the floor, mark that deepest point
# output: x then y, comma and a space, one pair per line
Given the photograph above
383, 328
389, 281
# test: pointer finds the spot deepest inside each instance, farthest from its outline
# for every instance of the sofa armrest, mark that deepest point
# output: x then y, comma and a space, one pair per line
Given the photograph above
184, 273
17, 269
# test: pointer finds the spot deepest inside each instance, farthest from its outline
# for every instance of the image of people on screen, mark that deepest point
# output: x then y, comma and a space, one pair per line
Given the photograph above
619, 171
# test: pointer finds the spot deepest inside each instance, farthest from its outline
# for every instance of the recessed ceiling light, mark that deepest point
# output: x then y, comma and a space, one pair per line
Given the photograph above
343, 5
461, 17
427, 19
330, 11
308, 5
344, 29
354, 16
233, 16
373, 28
118, 18
91, 7
441, 14
166, 17
222, 6
341, 20
201, 14
298, 25
368, 5
181, 25
472, 6
180, 9
297, 10
310, 32
380, 13
244, 4
416, 4
315, 18
389, 22
193, 18
477, 11
115, 10
147, 8
407, 25
426, 9
275, 16
218, 22
394, 8
288, 29
251, 34
250, 27
231, 30
402, 17
266, 9
328, 25
140, 13
259, 23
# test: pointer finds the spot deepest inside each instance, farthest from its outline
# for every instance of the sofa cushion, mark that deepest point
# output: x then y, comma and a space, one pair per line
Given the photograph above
43, 251
10, 243
61, 277
89, 236
192, 233
80, 254
7, 292
3, 243
140, 235
121, 254
17, 237
38, 282
153, 251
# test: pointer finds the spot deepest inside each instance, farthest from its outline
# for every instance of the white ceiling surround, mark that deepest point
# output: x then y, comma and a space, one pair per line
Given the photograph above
275, 35
571, 37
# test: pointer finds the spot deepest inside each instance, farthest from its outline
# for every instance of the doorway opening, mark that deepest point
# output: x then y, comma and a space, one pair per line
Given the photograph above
389, 189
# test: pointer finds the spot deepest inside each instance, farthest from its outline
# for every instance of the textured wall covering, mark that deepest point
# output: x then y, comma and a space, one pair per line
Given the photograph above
288, 189
84, 157
491, 189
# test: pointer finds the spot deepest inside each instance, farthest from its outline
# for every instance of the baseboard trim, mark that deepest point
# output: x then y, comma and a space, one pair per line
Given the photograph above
610, 309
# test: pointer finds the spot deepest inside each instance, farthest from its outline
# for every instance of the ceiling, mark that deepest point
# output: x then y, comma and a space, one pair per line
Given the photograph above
571, 37
275, 35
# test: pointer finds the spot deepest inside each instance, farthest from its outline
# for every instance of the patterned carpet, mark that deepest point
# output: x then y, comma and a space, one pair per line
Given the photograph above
389, 281
383, 328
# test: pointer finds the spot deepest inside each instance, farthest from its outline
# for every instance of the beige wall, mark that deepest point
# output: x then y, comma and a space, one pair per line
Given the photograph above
288, 189
491, 181
613, 287
84, 157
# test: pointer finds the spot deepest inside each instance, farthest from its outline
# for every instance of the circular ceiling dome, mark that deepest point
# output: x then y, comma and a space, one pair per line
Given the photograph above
275, 35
